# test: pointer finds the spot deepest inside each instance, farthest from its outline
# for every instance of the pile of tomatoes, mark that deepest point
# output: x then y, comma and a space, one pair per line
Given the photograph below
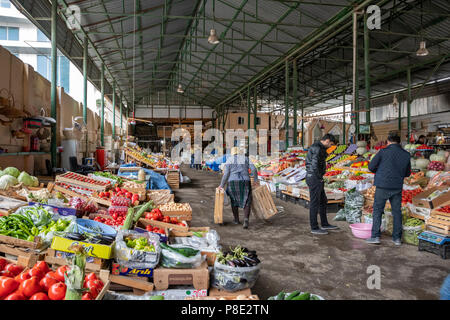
408, 195
357, 178
332, 173
444, 209
40, 283
149, 228
109, 222
156, 214
118, 192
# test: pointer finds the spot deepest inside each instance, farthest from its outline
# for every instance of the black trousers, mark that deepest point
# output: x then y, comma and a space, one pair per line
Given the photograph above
317, 202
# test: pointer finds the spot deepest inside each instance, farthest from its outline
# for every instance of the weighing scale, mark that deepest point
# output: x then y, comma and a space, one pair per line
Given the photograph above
434, 237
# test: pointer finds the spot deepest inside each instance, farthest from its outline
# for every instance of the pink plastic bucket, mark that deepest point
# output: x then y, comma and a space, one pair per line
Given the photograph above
362, 230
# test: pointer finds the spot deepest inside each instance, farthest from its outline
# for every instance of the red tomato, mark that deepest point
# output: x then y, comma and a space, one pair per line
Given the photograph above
117, 189
34, 272
135, 198
91, 276
42, 265
57, 291
3, 263
51, 274
94, 292
47, 282
7, 286
174, 220
94, 284
87, 296
14, 269
22, 277
30, 286
6, 273
39, 296
59, 275
16, 296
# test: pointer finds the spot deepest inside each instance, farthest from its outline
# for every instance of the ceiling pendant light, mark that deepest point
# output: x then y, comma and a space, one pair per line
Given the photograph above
213, 37
180, 89
423, 51
312, 93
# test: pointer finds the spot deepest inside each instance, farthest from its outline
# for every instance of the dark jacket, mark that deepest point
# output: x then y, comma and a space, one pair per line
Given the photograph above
391, 165
316, 161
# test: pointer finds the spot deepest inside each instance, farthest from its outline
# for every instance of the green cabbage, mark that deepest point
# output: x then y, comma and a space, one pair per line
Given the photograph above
35, 181
7, 181
26, 179
12, 171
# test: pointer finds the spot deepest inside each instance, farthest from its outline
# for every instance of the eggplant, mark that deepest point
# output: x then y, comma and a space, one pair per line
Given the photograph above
250, 253
74, 236
231, 264
251, 260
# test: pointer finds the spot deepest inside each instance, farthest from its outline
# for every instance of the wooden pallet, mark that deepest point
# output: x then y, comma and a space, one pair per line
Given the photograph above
24, 256
173, 179
198, 277
218, 206
160, 224
78, 183
51, 257
262, 203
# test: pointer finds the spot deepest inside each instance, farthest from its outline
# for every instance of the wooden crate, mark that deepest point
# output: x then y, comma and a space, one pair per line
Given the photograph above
439, 223
98, 264
160, 224
218, 206
436, 210
98, 188
262, 204
180, 215
189, 233
7, 240
24, 256
198, 277
160, 196
139, 285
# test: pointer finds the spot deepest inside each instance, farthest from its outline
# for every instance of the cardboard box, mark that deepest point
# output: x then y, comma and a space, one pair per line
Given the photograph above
92, 249
420, 199
118, 269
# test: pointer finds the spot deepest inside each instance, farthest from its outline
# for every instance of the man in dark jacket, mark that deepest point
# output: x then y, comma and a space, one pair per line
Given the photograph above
390, 165
315, 169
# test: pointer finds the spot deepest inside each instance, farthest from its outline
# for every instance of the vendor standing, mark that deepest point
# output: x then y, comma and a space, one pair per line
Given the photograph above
422, 140
315, 169
391, 166
239, 189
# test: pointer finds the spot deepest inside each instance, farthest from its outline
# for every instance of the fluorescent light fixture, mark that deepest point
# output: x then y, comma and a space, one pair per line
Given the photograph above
180, 89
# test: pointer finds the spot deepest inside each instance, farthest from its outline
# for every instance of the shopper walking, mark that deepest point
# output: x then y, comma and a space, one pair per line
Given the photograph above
239, 189
391, 165
315, 169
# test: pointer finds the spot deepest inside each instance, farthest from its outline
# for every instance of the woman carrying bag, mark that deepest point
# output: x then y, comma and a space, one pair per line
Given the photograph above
239, 189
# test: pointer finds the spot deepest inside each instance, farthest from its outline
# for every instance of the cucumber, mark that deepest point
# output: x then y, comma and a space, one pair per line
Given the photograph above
281, 295
292, 295
303, 296
128, 220
313, 297
156, 298
141, 210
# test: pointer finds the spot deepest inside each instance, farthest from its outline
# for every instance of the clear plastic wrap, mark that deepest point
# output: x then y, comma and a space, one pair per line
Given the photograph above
209, 242
354, 201
171, 259
234, 278
120, 201
133, 258
410, 234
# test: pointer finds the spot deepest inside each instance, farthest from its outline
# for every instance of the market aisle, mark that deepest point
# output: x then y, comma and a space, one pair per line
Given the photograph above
333, 266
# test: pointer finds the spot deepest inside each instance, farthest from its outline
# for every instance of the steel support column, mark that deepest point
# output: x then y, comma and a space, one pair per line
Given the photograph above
409, 101
85, 72
121, 121
367, 68
102, 106
355, 102
400, 116
303, 127
114, 111
286, 102
294, 101
255, 108
54, 80
249, 108
343, 117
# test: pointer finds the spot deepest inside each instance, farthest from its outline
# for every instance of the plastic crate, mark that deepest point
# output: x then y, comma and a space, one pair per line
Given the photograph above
442, 250
85, 225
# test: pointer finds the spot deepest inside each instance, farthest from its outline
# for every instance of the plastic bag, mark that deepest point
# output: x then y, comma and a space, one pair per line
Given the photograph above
210, 241
40, 215
369, 219
354, 201
133, 258
234, 278
170, 259
410, 234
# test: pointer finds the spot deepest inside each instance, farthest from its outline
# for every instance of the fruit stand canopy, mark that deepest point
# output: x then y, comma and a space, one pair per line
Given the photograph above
153, 46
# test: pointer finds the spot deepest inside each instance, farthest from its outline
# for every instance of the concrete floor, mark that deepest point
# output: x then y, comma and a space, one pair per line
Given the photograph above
333, 266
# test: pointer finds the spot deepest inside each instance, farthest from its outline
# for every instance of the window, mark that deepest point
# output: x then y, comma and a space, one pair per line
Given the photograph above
41, 36
9, 33
258, 120
240, 120
5, 4
44, 67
